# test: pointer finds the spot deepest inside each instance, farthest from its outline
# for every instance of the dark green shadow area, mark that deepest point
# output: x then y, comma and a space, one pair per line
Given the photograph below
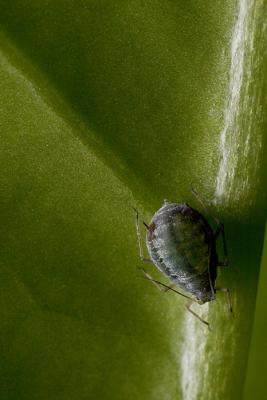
228, 344
255, 385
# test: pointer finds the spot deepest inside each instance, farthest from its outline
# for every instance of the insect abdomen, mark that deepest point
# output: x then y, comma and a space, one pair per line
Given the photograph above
180, 243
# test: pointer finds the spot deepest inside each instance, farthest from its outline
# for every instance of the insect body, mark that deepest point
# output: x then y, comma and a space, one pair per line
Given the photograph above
182, 245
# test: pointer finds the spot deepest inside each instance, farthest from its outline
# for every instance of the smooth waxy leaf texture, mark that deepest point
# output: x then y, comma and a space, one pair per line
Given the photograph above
106, 105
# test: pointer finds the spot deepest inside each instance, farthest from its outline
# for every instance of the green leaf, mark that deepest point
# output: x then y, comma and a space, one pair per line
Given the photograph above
104, 106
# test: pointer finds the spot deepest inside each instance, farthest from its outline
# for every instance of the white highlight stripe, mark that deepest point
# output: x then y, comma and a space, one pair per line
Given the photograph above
195, 367
227, 142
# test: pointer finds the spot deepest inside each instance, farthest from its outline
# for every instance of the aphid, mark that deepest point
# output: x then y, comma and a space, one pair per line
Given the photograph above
182, 245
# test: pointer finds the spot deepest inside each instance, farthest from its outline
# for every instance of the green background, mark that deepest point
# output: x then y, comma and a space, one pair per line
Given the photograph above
105, 105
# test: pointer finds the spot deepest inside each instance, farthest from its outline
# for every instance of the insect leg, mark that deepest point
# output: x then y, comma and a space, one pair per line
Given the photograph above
166, 287
204, 205
219, 230
188, 305
161, 286
139, 239
228, 297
